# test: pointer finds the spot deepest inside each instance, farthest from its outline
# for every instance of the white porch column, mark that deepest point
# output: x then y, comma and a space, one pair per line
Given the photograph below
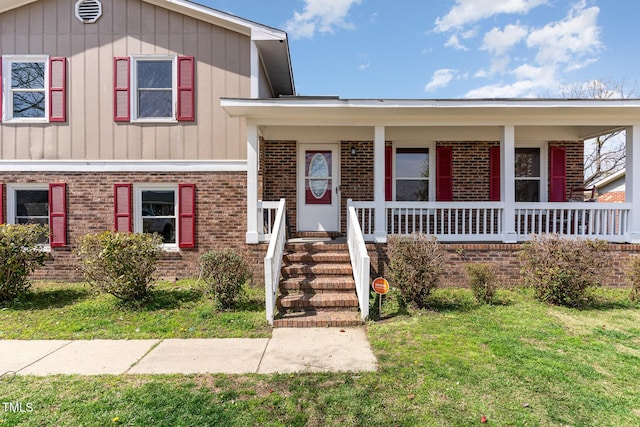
255, 70
252, 184
632, 181
379, 232
507, 183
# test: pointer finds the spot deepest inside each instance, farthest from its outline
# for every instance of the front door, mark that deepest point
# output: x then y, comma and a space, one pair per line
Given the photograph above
318, 187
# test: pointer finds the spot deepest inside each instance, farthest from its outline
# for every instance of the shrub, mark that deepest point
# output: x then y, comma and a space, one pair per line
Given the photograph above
482, 281
224, 272
20, 255
120, 264
562, 270
415, 263
633, 274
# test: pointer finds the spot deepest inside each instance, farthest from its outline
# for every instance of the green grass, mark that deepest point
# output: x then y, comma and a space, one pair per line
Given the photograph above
518, 362
178, 310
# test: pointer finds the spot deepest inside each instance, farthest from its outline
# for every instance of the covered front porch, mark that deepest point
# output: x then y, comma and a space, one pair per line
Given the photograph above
464, 171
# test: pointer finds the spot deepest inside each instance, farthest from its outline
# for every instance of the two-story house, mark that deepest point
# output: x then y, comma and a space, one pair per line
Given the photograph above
167, 116
111, 119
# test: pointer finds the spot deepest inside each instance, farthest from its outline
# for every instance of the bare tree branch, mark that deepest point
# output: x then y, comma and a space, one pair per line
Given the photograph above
604, 155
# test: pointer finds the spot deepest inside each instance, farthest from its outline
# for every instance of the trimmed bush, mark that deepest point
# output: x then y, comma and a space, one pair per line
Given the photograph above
482, 281
415, 264
225, 273
633, 274
562, 270
120, 264
20, 255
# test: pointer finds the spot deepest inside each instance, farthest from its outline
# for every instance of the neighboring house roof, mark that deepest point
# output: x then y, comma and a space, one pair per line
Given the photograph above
611, 179
272, 43
583, 118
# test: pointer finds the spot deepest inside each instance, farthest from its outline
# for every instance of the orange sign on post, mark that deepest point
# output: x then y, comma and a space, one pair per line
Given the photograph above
380, 285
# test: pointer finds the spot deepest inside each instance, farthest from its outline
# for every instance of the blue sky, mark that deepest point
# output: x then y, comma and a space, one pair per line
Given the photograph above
451, 48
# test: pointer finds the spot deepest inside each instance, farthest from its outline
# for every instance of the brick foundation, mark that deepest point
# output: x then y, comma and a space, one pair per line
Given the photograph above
505, 258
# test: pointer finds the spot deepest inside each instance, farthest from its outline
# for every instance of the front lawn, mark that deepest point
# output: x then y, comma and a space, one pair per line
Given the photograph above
517, 363
178, 310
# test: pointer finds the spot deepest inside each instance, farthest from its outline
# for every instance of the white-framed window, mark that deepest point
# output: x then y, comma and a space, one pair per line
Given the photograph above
154, 87
156, 211
413, 166
25, 88
28, 204
531, 173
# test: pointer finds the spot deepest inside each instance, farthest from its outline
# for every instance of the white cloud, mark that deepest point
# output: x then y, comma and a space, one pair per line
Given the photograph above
454, 42
469, 11
322, 16
570, 40
440, 79
519, 89
498, 42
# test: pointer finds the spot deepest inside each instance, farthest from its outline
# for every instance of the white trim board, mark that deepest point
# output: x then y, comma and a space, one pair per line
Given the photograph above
123, 166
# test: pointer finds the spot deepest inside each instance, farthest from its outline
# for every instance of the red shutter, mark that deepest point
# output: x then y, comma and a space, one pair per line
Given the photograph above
186, 82
57, 89
2, 204
558, 175
444, 174
388, 174
58, 214
121, 85
494, 174
122, 207
1, 93
187, 215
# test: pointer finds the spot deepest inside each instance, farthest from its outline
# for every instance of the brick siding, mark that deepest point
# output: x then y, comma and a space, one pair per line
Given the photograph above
575, 163
280, 175
612, 197
506, 259
220, 216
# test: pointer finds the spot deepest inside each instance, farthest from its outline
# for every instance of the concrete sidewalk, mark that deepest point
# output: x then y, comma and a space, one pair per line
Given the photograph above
288, 350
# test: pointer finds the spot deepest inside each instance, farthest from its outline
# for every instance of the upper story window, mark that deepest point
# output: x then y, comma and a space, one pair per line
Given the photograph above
33, 89
154, 88
27, 92
154, 80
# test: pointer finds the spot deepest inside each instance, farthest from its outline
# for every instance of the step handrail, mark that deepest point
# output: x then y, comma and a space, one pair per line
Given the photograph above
360, 260
273, 260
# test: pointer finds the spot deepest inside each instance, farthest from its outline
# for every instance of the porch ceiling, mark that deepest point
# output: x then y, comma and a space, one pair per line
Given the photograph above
588, 117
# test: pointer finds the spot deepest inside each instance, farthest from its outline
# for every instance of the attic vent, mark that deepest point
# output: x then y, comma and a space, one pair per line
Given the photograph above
88, 11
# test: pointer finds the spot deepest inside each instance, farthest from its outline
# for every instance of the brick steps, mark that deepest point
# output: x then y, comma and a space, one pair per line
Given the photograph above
317, 284
314, 319
317, 287
324, 300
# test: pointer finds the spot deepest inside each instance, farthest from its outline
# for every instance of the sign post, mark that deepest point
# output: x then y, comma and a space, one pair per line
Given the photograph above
381, 287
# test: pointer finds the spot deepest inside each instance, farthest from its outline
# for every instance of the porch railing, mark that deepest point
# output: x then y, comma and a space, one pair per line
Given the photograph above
360, 260
266, 219
607, 221
273, 260
484, 222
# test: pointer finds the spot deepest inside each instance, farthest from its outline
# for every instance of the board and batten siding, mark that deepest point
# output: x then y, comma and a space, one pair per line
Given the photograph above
127, 27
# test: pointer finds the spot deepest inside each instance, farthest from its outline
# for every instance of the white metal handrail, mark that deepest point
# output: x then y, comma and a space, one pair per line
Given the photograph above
273, 260
360, 260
